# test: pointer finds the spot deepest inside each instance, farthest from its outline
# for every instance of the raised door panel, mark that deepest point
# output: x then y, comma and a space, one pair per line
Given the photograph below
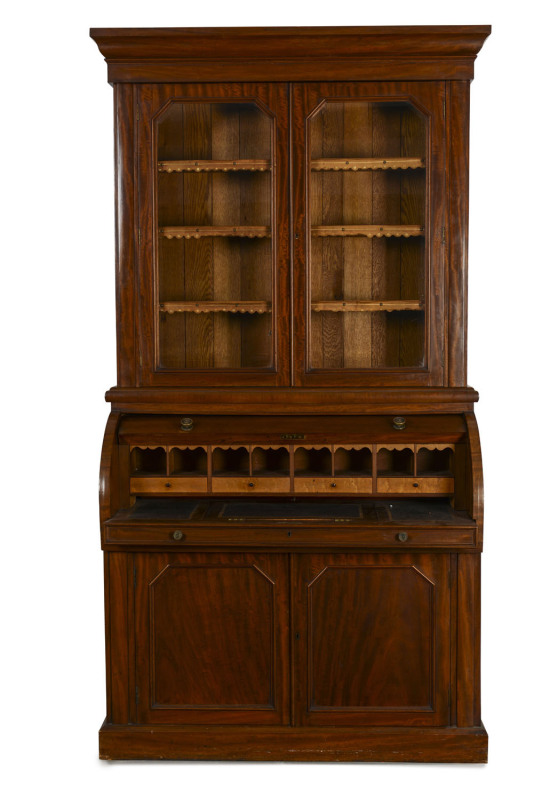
369, 216
213, 241
211, 638
373, 639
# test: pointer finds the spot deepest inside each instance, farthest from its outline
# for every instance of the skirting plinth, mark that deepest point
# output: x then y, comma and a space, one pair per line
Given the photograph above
239, 743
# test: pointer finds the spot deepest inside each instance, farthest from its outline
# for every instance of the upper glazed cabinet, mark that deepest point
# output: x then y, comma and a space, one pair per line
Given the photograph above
331, 234
296, 232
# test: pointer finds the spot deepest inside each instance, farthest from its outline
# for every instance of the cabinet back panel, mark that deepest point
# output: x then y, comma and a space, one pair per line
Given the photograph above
352, 268
212, 268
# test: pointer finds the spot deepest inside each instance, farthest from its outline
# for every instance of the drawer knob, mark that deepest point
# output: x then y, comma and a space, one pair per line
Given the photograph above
402, 536
333, 485
177, 535
186, 424
399, 423
251, 485
416, 485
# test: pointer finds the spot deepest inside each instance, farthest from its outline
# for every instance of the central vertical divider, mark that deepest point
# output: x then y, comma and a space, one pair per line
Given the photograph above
291, 468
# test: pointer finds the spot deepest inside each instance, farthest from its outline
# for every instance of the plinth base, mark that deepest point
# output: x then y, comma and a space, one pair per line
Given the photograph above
240, 743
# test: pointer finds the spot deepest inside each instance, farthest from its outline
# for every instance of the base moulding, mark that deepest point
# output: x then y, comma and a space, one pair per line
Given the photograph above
229, 743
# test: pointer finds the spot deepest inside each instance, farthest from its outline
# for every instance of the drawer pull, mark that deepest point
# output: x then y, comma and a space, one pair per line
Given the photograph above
402, 536
177, 535
251, 485
399, 423
416, 485
186, 424
333, 485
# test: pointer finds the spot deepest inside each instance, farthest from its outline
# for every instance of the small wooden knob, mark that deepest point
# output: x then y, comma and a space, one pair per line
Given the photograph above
178, 535
333, 485
251, 485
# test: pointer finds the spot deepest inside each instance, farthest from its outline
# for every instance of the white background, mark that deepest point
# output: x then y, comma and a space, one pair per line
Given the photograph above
57, 300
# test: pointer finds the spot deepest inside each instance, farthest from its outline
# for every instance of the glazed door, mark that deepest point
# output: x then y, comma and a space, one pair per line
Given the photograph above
211, 638
372, 639
369, 233
213, 240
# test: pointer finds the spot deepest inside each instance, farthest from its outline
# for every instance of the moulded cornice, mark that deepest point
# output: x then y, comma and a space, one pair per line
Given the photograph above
280, 53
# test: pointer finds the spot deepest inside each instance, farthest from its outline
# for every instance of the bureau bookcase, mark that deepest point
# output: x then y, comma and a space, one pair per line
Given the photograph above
291, 479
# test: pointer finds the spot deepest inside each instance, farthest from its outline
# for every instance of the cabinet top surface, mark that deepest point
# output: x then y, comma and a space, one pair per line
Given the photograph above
123, 48
353, 31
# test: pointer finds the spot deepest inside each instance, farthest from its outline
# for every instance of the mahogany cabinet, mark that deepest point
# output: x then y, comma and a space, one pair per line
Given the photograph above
291, 480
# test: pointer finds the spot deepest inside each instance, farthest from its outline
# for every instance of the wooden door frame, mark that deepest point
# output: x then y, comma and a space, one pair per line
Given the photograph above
428, 97
274, 569
150, 100
305, 572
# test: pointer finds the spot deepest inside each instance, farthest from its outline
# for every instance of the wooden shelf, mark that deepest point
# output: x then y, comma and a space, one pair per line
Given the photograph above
367, 305
368, 230
193, 232
240, 165
208, 306
356, 164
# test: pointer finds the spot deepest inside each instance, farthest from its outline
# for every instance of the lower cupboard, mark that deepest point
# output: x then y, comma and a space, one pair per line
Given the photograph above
220, 638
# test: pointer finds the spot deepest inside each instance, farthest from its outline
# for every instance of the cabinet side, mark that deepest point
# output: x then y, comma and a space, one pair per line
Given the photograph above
458, 188
126, 227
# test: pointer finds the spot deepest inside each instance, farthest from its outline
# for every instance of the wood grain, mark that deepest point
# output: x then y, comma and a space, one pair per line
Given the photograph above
395, 201
387, 660
226, 278
430, 745
468, 647
242, 350
223, 617
290, 54
250, 485
125, 227
292, 262
337, 485
415, 486
116, 589
168, 485
357, 209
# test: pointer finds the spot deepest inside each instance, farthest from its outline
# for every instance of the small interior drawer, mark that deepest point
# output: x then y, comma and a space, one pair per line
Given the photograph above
250, 485
168, 485
360, 485
415, 485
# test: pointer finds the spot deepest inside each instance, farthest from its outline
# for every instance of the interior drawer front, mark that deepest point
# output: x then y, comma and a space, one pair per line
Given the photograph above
288, 536
250, 485
310, 485
415, 485
165, 485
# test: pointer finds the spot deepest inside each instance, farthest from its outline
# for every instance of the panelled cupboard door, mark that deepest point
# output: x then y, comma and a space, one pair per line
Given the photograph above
211, 638
372, 639
213, 280
369, 233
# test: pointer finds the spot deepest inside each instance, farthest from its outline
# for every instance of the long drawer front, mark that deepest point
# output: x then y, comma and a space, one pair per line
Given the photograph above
183, 536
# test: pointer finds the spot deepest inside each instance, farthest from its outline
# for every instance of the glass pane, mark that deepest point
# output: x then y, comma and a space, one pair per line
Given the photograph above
367, 212
215, 272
